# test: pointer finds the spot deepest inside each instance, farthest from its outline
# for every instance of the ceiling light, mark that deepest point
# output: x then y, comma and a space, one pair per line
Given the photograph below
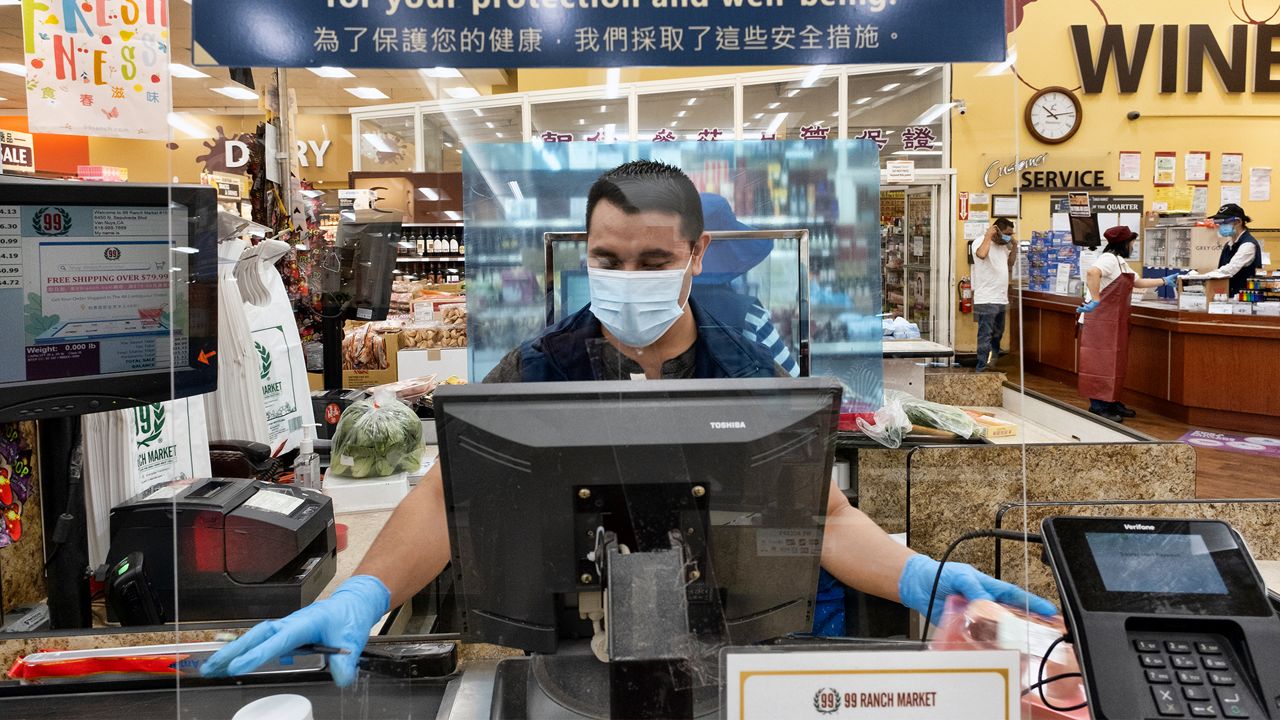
179, 70
430, 193
792, 93
188, 125
499, 135
862, 101
757, 116
682, 113
441, 72
691, 102
890, 87
777, 123
582, 121
378, 143
237, 92
478, 112
603, 108
999, 68
924, 70
453, 215
462, 93
448, 144
515, 189
813, 76
367, 93
773, 106
675, 123
13, 69
331, 72
835, 114
490, 125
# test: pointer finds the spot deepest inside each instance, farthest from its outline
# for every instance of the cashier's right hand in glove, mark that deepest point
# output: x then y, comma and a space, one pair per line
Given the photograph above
1088, 307
343, 620
916, 584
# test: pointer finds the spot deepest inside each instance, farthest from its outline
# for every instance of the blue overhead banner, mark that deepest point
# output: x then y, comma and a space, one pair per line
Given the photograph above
593, 33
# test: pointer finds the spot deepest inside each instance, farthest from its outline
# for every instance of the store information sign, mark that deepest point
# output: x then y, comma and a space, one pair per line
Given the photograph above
593, 33
98, 68
871, 685
900, 171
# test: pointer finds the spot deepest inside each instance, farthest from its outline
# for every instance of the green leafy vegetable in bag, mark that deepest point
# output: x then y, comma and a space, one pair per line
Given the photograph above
376, 437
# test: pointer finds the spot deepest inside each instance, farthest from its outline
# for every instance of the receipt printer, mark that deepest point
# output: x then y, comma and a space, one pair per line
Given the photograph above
244, 549
1169, 618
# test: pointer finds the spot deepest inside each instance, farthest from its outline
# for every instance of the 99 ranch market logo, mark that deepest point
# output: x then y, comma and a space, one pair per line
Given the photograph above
829, 700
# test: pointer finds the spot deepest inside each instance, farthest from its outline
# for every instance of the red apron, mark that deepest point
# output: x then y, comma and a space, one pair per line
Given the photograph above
1104, 343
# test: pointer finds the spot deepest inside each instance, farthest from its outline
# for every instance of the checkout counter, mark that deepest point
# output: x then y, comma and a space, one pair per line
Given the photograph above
1199, 368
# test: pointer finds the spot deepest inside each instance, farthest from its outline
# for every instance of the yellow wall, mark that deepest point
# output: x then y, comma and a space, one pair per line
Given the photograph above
1212, 120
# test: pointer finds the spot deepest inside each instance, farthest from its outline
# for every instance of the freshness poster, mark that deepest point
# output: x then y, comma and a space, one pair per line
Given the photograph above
97, 67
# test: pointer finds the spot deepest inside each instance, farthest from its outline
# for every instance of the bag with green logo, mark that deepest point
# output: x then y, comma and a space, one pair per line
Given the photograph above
282, 366
376, 437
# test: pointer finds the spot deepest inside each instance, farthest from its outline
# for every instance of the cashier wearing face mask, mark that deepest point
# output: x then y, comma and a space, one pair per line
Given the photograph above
645, 244
1241, 256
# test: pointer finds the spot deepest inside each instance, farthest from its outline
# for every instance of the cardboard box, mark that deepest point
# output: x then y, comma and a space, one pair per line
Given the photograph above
993, 427
366, 378
1212, 287
443, 362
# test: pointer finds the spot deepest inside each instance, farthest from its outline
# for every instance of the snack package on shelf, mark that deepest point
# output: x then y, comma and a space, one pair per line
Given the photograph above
409, 390
434, 335
987, 625
363, 348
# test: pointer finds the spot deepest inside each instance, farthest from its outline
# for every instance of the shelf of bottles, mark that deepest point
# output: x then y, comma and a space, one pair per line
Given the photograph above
1261, 289
432, 253
892, 243
918, 252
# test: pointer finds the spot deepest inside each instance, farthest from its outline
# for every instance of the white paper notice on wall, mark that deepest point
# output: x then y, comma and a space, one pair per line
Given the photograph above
1199, 200
1231, 194
1130, 166
1196, 166
1232, 167
1259, 184
974, 230
772, 683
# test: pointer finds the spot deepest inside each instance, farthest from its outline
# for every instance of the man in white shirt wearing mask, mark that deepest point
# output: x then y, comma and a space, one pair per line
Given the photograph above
645, 244
994, 257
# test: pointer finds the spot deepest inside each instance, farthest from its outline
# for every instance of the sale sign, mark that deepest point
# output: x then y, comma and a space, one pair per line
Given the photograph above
17, 152
97, 67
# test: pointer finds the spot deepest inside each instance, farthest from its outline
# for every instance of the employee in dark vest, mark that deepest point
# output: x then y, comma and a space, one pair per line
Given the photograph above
1241, 257
645, 244
1104, 336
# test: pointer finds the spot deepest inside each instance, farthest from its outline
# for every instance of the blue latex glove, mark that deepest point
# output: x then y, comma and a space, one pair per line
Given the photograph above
917, 581
1088, 307
1171, 280
343, 620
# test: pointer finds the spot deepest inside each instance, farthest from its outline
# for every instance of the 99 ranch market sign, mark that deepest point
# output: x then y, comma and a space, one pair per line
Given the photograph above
593, 33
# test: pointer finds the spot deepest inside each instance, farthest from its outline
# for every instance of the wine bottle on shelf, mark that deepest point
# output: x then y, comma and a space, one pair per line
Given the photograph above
453, 242
419, 241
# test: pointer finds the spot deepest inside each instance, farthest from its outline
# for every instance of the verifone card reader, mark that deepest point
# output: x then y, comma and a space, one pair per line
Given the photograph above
1170, 618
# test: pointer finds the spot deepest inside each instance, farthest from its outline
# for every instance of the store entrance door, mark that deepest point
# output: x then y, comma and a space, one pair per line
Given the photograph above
909, 235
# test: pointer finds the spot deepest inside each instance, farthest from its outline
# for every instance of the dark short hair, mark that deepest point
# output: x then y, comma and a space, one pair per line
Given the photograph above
1004, 223
649, 186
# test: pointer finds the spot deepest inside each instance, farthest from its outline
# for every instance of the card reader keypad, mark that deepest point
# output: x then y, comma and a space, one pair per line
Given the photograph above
1192, 677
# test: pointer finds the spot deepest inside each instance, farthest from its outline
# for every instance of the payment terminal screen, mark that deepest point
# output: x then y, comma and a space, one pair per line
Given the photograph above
92, 286
1155, 563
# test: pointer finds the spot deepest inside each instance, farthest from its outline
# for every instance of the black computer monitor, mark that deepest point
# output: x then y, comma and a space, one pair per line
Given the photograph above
737, 469
110, 295
367, 244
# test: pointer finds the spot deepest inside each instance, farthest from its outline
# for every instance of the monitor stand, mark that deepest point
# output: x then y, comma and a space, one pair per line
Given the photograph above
657, 668
573, 685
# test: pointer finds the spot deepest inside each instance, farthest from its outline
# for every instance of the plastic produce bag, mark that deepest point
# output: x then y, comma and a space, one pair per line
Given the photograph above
934, 415
891, 423
376, 437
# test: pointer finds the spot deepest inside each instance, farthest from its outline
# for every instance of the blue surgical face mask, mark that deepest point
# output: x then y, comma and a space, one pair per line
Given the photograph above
637, 307
1227, 230
1006, 238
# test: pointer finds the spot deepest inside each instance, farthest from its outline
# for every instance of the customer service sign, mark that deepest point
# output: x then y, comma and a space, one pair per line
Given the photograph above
593, 33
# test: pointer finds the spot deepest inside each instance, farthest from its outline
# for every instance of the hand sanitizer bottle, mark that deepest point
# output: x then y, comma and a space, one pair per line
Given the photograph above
306, 467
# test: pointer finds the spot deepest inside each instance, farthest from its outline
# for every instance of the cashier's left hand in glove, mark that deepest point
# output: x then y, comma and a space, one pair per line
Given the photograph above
343, 620
918, 574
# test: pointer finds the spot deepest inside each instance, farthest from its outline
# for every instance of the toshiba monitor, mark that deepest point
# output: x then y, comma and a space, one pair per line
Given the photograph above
110, 293
734, 473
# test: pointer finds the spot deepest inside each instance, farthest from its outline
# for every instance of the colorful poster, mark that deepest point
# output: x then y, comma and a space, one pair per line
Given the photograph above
98, 68
1130, 166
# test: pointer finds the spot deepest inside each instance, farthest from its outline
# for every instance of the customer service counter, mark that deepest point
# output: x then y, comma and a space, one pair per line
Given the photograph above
1218, 371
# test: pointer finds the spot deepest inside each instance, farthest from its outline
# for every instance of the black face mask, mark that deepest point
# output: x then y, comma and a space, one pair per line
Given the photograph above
1121, 250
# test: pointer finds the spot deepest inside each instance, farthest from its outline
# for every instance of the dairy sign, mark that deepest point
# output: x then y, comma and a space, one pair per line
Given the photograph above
17, 152
97, 67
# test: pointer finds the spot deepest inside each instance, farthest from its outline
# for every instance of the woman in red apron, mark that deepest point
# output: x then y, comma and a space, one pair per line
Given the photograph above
1104, 339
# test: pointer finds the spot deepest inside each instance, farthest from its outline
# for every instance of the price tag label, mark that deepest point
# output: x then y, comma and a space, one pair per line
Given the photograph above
768, 683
